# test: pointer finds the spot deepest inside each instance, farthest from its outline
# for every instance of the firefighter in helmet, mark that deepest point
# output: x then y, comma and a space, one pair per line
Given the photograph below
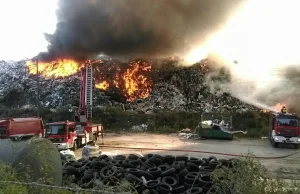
283, 110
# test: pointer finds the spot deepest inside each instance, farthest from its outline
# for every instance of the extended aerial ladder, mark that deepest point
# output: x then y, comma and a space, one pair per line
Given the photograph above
84, 114
69, 134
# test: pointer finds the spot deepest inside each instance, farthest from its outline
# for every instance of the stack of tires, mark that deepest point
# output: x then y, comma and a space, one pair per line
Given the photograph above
153, 172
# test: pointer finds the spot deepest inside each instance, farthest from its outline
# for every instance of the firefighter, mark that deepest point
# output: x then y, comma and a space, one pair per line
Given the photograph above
283, 110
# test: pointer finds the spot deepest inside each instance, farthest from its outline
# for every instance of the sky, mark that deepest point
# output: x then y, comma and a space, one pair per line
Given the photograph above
23, 24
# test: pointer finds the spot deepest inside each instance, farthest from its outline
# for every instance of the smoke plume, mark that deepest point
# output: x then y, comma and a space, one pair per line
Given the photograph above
260, 48
282, 89
134, 28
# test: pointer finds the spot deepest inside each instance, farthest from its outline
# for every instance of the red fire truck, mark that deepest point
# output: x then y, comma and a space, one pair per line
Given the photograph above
71, 135
284, 129
21, 126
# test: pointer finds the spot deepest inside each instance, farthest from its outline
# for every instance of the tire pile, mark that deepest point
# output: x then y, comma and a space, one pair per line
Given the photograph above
153, 172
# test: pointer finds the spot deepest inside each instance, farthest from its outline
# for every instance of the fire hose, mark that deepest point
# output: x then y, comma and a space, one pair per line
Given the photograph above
198, 151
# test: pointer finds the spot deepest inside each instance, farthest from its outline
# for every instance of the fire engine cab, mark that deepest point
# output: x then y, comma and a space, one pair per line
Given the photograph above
284, 128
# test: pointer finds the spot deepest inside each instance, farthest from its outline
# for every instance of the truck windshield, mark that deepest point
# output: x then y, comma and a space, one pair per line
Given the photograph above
55, 129
287, 122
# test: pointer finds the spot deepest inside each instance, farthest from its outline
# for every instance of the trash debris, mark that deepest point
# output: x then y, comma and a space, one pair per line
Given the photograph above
220, 125
187, 134
89, 151
142, 127
68, 154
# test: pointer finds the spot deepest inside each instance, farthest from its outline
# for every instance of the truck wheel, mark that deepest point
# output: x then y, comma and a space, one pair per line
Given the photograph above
75, 145
275, 144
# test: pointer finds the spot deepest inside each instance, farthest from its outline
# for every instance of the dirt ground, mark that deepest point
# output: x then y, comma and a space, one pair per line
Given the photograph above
288, 167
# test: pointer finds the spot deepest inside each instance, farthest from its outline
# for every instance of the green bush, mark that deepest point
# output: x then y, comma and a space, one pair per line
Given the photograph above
254, 122
250, 177
116, 119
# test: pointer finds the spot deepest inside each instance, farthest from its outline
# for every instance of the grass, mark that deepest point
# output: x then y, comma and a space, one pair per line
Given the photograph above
251, 177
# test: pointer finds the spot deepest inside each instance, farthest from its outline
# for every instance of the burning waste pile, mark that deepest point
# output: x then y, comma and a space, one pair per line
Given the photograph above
153, 172
78, 38
144, 86
128, 79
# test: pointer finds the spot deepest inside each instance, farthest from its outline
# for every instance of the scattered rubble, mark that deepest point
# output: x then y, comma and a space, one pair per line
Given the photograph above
139, 128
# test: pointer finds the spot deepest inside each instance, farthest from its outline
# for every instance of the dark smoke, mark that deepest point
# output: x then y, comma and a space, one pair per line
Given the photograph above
134, 28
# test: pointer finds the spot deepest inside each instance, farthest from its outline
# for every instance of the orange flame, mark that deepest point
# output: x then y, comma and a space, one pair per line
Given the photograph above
278, 106
131, 82
134, 81
56, 69
102, 85
264, 110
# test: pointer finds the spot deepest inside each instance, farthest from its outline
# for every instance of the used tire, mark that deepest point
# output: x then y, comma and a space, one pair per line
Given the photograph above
147, 175
191, 178
133, 171
215, 190
103, 156
96, 164
156, 172
180, 189
133, 157
135, 163
119, 157
152, 184
164, 188
158, 156
108, 172
183, 173
164, 167
205, 182
133, 179
206, 169
168, 172
225, 162
170, 181
192, 167
214, 164
169, 159
181, 158
154, 161
212, 158
196, 161
194, 190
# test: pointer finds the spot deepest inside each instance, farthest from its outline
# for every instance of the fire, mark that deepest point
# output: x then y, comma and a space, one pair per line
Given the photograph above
136, 85
132, 81
56, 69
264, 110
102, 85
278, 106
